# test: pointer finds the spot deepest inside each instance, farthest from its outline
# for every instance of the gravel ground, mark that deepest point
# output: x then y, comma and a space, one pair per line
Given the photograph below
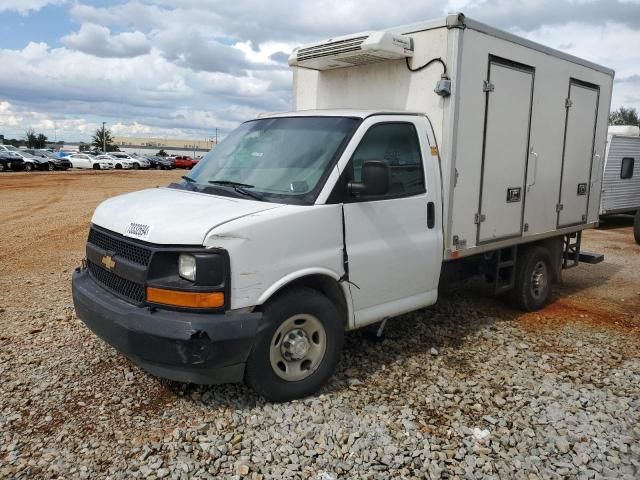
467, 389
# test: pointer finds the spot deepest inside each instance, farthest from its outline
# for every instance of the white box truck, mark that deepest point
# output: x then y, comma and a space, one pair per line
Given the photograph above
430, 151
620, 179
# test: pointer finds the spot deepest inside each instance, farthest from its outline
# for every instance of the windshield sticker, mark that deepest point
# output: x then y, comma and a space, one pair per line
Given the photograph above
137, 230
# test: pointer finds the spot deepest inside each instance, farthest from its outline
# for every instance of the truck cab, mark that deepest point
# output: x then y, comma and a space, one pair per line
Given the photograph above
337, 210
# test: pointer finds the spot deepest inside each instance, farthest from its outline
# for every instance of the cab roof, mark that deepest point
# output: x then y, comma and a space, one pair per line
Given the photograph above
354, 113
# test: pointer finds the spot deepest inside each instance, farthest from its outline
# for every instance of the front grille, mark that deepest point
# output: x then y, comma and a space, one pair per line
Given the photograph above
123, 287
123, 248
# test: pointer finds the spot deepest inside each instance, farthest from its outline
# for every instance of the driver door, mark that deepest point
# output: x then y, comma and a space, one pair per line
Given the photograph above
394, 241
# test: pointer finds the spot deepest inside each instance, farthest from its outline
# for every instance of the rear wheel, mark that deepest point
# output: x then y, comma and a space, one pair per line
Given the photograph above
532, 289
51, 167
636, 227
2, 167
158, 166
300, 347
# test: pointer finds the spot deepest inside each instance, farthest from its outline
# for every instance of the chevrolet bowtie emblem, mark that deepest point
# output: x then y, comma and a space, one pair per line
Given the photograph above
108, 262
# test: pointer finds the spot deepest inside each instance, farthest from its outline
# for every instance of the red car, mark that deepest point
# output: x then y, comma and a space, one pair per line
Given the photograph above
185, 162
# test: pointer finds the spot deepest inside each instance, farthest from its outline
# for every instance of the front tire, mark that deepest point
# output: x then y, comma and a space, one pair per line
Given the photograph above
532, 289
96, 167
28, 167
299, 347
136, 166
118, 166
51, 167
636, 227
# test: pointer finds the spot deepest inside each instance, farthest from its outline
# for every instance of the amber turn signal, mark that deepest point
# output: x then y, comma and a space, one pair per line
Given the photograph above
178, 298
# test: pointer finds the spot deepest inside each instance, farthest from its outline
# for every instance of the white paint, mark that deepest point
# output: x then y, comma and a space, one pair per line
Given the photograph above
179, 217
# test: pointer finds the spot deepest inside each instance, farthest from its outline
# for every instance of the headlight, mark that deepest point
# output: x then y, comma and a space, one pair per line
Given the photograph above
187, 267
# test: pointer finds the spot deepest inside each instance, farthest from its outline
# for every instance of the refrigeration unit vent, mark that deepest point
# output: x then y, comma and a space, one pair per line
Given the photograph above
360, 49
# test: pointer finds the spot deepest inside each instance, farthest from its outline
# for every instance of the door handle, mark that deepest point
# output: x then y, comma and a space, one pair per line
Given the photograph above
431, 215
535, 168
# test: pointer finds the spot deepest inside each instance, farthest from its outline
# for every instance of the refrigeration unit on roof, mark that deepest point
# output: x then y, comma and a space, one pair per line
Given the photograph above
352, 50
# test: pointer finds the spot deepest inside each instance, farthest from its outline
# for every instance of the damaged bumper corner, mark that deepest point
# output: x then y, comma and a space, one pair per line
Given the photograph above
187, 347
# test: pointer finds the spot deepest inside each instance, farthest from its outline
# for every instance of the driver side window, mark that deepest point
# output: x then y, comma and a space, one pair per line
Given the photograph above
397, 145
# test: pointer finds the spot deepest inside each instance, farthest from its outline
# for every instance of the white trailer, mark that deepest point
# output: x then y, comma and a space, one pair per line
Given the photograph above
418, 154
621, 177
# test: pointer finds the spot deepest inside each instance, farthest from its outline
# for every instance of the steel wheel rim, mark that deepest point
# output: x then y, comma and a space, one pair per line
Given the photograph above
539, 280
297, 347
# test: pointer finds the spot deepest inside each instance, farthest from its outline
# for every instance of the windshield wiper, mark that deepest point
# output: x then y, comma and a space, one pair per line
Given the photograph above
238, 187
188, 179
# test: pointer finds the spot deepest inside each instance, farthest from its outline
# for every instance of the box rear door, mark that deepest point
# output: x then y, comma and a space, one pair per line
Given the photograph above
507, 123
580, 129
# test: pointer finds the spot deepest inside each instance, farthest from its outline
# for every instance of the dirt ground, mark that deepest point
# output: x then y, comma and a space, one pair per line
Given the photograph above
70, 406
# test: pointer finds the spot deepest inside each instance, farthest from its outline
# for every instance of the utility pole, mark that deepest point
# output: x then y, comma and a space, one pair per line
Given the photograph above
216, 136
104, 139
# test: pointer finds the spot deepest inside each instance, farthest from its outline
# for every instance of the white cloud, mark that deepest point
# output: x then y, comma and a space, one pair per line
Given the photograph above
25, 6
188, 67
97, 40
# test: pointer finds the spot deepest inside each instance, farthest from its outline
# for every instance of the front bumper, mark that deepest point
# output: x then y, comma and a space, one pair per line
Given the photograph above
188, 347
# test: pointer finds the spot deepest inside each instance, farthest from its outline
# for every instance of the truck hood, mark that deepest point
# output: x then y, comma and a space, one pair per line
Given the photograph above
168, 216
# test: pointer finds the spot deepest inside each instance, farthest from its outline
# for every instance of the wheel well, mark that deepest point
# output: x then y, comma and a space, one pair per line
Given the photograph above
324, 284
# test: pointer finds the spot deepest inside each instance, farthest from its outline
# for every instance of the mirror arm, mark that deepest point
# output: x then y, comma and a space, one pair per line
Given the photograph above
356, 188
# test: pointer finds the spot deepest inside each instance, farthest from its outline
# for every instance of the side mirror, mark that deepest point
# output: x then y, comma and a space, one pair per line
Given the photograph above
375, 179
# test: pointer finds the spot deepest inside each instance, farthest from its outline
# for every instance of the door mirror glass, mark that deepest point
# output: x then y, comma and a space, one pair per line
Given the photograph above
375, 179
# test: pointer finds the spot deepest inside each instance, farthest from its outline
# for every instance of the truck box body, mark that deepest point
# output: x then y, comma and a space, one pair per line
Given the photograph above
521, 137
621, 177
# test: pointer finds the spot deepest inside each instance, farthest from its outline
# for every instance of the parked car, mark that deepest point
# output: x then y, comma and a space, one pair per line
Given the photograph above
160, 163
118, 163
10, 161
137, 160
184, 161
83, 160
6, 148
55, 162
31, 162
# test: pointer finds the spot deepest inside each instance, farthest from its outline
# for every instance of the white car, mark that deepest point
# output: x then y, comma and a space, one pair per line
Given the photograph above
138, 162
118, 163
84, 160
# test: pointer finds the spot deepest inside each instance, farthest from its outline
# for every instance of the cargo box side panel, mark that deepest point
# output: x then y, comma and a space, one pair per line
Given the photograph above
621, 194
546, 138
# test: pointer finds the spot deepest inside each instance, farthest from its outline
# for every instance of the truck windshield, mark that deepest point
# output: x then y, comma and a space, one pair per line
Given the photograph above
276, 159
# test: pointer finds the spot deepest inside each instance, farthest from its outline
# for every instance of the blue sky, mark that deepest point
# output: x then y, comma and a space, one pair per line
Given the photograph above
182, 68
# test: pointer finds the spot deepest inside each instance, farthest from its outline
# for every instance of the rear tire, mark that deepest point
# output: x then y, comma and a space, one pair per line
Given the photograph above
2, 167
51, 167
298, 348
636, 227
532, 289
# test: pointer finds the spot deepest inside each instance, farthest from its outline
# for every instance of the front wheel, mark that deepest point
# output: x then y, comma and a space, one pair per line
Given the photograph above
636, 227
96, 167
298, 349
28, 167
51, 167
136, 166
532, 289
